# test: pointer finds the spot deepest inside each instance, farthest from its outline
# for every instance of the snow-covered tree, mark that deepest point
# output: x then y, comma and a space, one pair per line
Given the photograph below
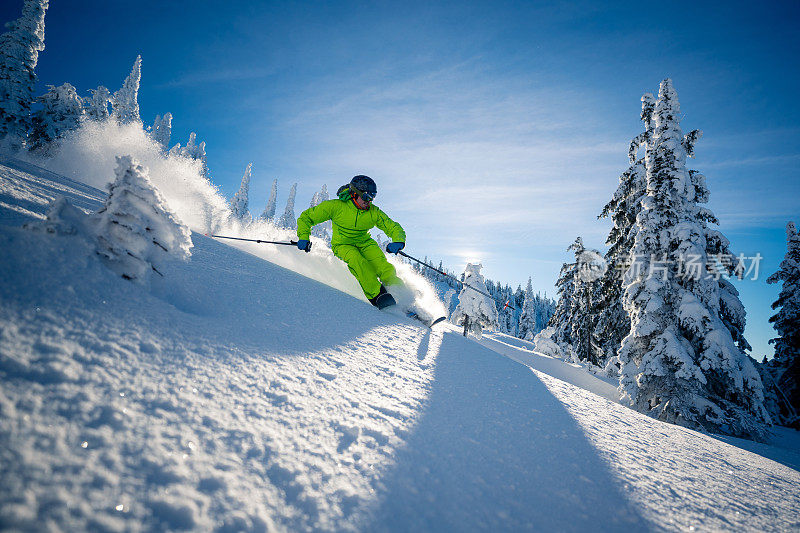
574, 319
125, 102
239, 202
19, 53
136, 230
288, 220
62, 111
507, 311
613, 323
322, 231
785, 366
269, 211
97, 105
527, 319
193, 150
162, 130
680, 362
475, 311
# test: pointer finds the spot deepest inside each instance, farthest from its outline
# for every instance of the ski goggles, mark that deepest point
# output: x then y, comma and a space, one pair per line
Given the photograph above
366, 196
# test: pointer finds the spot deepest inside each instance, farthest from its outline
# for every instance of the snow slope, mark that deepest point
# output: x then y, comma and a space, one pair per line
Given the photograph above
235, 394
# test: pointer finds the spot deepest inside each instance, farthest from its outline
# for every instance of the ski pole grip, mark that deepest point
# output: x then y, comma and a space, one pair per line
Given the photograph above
308, 248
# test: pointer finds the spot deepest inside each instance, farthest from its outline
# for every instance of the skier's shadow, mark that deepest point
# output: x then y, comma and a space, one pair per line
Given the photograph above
424, 344
494, 450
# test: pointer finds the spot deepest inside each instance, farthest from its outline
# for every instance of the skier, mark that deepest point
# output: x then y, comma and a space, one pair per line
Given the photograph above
353, 215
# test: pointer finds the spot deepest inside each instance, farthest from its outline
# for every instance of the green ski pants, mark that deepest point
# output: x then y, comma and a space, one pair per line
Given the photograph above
367, 263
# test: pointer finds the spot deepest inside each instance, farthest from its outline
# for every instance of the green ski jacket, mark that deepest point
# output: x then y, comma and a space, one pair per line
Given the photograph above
350, 224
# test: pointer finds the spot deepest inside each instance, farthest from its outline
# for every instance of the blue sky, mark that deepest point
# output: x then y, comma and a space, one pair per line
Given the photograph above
495, 130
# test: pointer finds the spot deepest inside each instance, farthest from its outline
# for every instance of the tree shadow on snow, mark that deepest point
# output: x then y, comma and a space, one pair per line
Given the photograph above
495, 450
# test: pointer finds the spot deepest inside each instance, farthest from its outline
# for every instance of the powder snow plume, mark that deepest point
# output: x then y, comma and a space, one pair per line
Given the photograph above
88, 155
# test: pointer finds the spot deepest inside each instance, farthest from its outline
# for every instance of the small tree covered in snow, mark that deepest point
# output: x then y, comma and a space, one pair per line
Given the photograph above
195, 151
324, 230
97, 105
62, 111
527, 320
125, 102
269, 211
288, 220
19, 53
162, 130
239, 202
474, 311
136, 231
574, 318
681, 362
785, 367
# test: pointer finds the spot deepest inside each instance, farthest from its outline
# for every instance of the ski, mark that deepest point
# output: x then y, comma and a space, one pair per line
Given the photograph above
428, 323
437, 320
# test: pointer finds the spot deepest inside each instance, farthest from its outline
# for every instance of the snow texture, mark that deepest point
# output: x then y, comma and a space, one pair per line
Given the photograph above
166, 407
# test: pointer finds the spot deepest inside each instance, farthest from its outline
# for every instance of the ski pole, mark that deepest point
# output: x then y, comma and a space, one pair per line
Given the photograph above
455, 279
290, 243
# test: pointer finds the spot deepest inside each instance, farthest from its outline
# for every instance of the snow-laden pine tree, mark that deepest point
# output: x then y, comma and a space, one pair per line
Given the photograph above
162, 130
136, 230
613, 323
545, 308
527, 319
287, 219
680, 362
61, 112
574, 319
19, 53
125, 102
97, 105
239, 202
269, 211
475, 311
785, 366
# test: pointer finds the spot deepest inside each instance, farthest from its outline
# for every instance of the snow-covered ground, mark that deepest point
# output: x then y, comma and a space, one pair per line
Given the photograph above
235, 394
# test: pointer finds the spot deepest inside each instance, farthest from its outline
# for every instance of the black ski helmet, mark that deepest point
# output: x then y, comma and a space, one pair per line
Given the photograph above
364, 186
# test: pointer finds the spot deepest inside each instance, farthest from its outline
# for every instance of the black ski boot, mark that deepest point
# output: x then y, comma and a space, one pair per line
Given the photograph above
383, 299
